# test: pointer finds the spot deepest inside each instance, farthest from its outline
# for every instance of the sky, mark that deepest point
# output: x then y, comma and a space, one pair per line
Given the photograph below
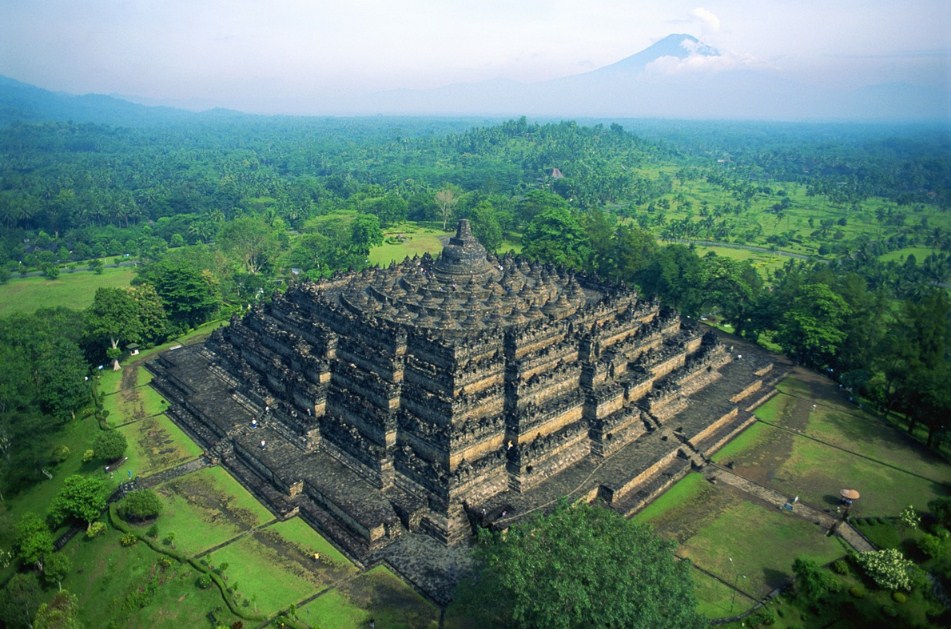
283, 56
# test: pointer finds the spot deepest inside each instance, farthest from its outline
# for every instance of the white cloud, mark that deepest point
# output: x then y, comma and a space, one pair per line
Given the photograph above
697, 62
707, 18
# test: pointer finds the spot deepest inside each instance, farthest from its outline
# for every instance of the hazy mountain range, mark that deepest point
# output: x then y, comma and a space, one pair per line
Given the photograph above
677, 77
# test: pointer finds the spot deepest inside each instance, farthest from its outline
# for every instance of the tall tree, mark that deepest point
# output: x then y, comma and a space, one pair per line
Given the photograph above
584, 566
251, 241
556, 236
80, 498
446, 198
114, 316
61, 612
812, 328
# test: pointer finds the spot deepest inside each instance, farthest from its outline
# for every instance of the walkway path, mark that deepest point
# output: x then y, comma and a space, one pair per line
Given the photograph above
174, 472
843, 529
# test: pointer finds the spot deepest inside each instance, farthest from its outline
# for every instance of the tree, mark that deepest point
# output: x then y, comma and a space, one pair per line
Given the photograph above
557, 237
140, 505
55, 569
114, 316
62, 612
366, 232
813, 581
110, 445
584, 566
33, 541
447, 198
81, 498
485, 225
189, 290
19, 600
888, 568
251, 240
812, 329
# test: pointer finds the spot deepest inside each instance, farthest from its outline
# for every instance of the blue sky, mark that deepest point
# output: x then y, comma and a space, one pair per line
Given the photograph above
278, 55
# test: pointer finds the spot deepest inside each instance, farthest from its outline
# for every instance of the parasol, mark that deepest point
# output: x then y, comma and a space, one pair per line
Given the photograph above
849, 494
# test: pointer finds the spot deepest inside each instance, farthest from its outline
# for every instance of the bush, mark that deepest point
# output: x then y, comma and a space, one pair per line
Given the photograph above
857, 591
887, 568
203, 582
931, 545
152, 532
762, 618
941, 509
110, 445
95, 529
139, 505
88, 455
128, 539
59, 454
889, 611
899, 597
839, 566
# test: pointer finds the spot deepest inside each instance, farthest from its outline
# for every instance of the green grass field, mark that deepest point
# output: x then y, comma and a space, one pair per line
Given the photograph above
207, 508
72, 290
764, 263
132, 589
417, 241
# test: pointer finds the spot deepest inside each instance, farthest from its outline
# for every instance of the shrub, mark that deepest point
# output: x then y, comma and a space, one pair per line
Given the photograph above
153, 531
887, 568
762, 618
931, 545
95, 529
89, 455
59, 454
909, 517
857, 591
128, 539
139, 505
839, 566
899, 597
169, 539
110, 445
889, 611
941, 509
203, 582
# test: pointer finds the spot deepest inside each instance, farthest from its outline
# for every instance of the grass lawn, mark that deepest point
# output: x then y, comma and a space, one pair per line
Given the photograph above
377, 594
715, 599
762, 543
712, 524
418, 240
156, 443
299, 533
268, 581
71, 290
206, 508
764, 263
128, 587
817, 443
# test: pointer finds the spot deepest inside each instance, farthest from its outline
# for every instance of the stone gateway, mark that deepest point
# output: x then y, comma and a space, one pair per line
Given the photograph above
411, 403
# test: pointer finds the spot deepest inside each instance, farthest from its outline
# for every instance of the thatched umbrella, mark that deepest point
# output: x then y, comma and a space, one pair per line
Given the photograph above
849, 494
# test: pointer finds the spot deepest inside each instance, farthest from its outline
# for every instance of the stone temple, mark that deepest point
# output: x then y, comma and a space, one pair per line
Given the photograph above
396, 409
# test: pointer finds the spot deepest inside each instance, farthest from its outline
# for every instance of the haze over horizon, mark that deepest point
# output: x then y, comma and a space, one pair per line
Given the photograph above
299, 57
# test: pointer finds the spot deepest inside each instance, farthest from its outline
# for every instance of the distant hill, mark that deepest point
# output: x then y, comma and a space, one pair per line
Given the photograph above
21, 102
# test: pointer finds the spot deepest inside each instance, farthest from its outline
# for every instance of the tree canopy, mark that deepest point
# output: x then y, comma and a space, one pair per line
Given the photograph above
584, 566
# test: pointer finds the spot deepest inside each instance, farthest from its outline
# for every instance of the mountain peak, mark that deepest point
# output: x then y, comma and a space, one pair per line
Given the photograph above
678, 45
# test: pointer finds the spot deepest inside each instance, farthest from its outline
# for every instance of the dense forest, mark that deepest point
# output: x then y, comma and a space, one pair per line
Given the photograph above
218, 213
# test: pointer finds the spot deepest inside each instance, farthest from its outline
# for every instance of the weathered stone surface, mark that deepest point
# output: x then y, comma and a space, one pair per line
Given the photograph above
418, 401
